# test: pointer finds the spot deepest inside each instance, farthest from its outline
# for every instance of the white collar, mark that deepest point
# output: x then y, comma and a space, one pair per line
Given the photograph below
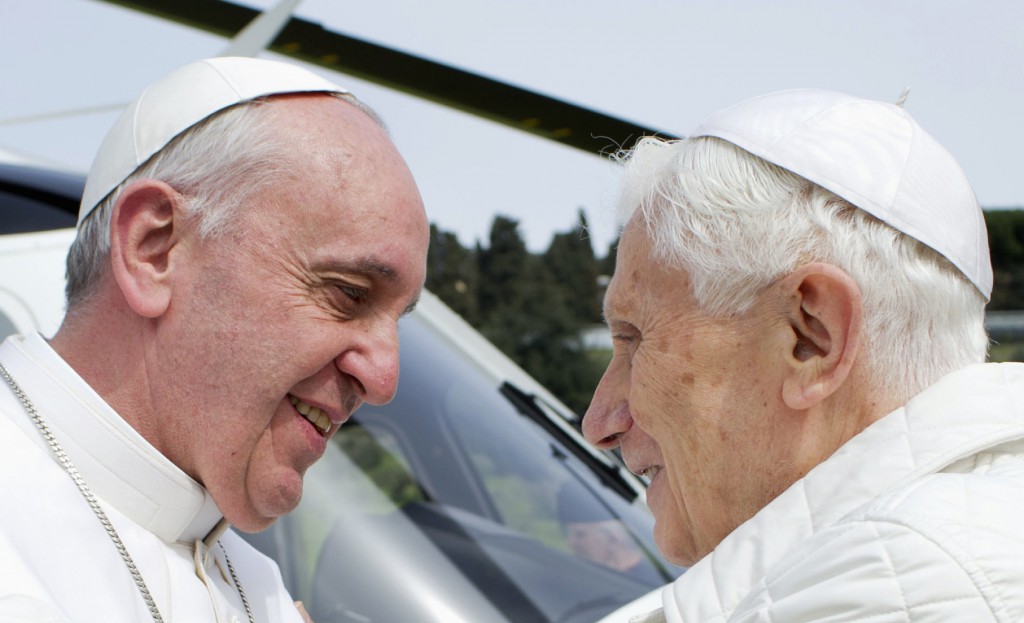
964, 413
119, 465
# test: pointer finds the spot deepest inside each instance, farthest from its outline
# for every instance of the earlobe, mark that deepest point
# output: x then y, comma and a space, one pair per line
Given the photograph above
142, 235
825, 312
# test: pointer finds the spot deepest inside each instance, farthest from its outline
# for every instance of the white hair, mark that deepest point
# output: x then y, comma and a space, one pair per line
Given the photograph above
218, 165
736, 223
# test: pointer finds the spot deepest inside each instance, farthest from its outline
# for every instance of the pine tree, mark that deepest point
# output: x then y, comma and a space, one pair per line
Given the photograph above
531, 307
452, 274
571, 264
1006, 244
502, 267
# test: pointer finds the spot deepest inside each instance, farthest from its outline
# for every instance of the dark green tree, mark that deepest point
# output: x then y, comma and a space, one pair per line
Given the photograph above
1006, 243
533, 308
553, 352
570, 263
504, 268
452, 274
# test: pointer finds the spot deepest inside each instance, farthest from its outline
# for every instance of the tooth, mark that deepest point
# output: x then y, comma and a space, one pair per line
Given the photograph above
315, 415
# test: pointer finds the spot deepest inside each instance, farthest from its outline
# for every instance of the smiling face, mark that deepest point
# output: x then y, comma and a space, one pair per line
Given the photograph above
288, 323
694, 402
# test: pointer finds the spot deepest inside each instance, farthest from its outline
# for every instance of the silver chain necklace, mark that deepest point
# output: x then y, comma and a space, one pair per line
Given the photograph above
87, 493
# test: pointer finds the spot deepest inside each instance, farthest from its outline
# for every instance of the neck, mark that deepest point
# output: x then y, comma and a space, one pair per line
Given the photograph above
856, 406
105, 346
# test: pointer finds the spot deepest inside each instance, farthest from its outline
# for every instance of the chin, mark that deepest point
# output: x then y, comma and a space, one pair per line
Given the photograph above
252, 525
264, 507
259, 518
678, 557
676, 548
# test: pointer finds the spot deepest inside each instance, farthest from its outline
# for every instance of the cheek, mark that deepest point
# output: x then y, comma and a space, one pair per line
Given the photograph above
691, 414
267, 477
699, 516
658, 380
674, 530
669, 399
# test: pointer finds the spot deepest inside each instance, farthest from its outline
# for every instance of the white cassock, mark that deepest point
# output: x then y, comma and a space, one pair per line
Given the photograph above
57, 562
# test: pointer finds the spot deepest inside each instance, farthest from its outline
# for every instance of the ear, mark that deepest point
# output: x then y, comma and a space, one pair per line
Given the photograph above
142, 234
825, 312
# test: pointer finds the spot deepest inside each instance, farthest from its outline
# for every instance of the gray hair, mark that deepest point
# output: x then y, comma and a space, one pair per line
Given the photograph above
737, 223
218, 165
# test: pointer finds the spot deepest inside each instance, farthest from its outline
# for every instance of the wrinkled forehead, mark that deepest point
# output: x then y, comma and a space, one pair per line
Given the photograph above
636, 243
634, 261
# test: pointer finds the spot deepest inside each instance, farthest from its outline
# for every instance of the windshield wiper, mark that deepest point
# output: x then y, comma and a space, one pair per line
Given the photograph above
538, 410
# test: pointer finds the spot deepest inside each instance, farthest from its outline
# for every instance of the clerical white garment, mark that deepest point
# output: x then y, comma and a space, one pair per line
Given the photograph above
57, 563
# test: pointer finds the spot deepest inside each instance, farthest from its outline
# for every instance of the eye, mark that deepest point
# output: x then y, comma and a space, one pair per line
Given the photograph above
356, 294
625, 337
352, 293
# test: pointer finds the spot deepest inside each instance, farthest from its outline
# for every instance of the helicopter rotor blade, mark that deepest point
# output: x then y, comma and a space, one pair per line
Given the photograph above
514, 106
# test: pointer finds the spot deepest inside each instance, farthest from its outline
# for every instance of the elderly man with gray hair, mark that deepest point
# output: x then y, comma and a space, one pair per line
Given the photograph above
248, 239
798, 318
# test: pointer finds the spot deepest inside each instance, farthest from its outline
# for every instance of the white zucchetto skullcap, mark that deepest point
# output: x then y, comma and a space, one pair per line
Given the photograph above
875, 156
179, 101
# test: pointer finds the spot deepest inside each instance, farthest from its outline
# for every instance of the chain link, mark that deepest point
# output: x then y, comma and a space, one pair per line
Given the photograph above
94, 504
238, 585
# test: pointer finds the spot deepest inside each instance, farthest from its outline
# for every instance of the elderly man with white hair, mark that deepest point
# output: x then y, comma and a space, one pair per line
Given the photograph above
248, 239
798, 318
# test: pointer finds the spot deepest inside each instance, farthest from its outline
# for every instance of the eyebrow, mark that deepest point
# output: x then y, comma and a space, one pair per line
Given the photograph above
370, 265
365, 266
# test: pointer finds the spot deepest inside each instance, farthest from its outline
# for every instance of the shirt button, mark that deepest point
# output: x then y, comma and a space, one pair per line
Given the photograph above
234, 619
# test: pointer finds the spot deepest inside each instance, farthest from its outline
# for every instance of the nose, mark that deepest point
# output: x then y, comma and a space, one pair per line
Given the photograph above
608, 418
372, 363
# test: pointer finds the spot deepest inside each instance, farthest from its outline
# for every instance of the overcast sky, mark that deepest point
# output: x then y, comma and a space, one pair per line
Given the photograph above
665, 63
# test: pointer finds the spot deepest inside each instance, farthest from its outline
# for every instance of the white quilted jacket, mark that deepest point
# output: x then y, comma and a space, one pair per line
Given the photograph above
920, 518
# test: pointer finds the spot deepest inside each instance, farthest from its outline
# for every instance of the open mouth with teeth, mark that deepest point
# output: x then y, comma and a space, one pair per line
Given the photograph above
651, 472
314, 415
